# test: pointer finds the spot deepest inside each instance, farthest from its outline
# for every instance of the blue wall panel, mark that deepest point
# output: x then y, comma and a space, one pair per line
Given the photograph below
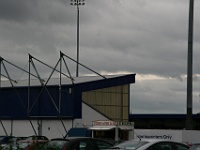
12, 104
43, 102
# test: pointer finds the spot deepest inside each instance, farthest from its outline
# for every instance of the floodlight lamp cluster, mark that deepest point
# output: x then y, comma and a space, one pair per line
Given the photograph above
77, 2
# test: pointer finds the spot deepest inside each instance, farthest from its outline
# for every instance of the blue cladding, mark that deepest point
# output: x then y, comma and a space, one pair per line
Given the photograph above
48, 102
11, 105
43, 102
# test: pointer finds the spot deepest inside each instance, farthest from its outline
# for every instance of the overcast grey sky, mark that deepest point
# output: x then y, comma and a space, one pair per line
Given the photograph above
146, 37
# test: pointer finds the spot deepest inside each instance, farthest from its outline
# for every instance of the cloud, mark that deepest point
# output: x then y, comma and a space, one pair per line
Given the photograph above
140, 36
153, 95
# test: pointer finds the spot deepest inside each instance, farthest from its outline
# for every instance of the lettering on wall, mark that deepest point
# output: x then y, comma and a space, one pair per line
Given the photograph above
165, 137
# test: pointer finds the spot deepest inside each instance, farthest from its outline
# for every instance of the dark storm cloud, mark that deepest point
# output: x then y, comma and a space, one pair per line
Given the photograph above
17, 10
30, 26
37, 11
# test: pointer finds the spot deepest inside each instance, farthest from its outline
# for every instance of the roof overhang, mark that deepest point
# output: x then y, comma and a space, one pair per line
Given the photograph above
128, 128
126, 78
101, 127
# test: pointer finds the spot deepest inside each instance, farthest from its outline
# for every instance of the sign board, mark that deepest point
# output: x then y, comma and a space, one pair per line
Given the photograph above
111, 123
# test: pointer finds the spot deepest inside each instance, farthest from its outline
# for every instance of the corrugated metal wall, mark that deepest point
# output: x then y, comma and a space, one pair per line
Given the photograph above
113, 102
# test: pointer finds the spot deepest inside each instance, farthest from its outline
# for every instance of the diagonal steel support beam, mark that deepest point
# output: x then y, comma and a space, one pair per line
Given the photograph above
44, 87
84, 66
50, 67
